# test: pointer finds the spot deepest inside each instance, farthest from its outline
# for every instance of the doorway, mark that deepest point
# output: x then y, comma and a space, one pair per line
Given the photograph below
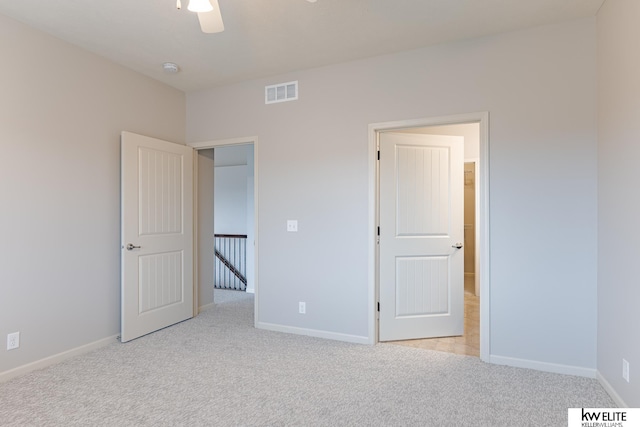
205, 232
233, 218
476, 123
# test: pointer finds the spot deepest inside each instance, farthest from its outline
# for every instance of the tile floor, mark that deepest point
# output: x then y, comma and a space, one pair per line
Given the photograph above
469, 343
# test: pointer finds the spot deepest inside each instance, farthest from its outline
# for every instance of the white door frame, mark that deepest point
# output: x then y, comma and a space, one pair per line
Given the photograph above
483, 212
217, 143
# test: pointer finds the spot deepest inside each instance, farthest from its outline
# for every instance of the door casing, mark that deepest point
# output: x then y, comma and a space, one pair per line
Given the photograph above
482, 204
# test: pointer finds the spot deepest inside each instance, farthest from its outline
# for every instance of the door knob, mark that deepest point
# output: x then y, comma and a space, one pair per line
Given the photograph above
457, 246
131, 247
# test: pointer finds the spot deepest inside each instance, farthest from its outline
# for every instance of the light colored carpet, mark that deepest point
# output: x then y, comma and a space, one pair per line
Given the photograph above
217, 370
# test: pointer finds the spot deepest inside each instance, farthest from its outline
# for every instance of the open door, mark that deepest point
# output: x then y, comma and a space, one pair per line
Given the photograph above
421, 233
157, 234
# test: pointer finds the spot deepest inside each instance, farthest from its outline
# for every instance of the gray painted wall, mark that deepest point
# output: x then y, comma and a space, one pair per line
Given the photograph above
230, 190
539, 86
619, 200
61, 113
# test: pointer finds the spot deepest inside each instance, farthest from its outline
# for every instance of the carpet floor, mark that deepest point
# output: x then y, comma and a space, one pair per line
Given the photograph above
217, 370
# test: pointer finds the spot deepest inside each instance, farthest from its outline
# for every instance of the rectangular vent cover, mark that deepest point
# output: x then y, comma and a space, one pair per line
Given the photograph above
281, 92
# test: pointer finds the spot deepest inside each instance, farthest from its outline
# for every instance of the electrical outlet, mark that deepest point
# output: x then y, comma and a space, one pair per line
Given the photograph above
302, 308
292, 225
625, 370
13, 341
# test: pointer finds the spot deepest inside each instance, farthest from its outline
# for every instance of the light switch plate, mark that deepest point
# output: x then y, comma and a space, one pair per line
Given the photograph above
292, 225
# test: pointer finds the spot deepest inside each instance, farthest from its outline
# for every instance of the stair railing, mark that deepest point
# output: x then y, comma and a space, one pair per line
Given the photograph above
230, 261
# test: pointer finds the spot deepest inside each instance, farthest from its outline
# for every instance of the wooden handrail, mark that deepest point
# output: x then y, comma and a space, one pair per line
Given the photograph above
231, 236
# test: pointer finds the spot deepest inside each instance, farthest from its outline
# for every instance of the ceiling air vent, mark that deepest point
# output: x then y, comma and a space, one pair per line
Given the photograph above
281, 92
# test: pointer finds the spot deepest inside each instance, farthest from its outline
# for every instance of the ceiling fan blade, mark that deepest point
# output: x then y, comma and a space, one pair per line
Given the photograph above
211, 22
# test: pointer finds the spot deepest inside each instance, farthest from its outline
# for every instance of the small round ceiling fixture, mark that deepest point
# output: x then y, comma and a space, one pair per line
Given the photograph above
170, 67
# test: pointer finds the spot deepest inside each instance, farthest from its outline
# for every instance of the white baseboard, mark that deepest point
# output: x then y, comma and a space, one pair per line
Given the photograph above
611, 391
56, 358
205, 307
543, 366
356, 339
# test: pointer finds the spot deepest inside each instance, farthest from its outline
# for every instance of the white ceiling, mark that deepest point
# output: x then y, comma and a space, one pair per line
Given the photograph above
269, 37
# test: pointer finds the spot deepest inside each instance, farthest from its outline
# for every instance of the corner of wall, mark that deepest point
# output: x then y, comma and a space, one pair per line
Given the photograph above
611, 391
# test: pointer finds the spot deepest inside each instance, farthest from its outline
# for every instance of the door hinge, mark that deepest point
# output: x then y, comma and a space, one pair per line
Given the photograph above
378, 306
378, 230
378, 154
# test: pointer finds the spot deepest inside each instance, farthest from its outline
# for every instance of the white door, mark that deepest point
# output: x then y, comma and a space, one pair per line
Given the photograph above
421, 232
157, 234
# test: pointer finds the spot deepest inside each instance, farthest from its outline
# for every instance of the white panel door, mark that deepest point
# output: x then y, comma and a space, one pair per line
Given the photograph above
421, 234
157, 234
